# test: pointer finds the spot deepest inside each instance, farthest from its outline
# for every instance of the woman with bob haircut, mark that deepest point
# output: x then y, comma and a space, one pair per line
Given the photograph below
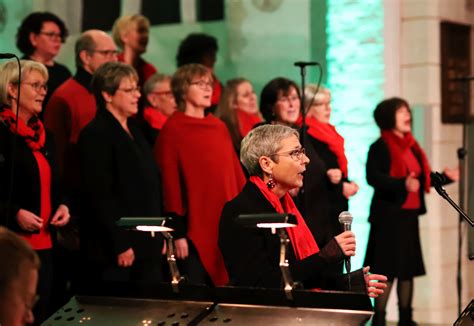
40, 37
275, 161
201, 172
36, 203
238, 108
399, 172
119, 179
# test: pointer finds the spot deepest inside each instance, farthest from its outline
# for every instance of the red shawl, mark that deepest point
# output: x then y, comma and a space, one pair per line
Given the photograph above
247, 121
396, 147
154, 117
301, 238
34, 135
327, 133
201, 173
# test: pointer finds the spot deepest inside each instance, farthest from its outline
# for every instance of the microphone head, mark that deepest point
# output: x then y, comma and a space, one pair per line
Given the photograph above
345, 217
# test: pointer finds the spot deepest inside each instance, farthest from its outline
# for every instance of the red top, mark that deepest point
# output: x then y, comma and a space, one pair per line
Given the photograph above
201, 173
413, 200
398, 165
247, 121
34, 135
154, 117
69, 110
216, 90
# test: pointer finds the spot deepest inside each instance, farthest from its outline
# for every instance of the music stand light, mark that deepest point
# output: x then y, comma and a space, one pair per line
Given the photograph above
152, 225
277, 223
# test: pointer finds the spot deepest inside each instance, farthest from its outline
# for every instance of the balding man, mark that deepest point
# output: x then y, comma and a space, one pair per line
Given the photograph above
18, 279
71, 107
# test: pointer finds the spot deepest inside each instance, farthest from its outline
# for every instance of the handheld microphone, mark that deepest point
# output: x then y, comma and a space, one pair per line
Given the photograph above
306, 63
7, 55
345, 218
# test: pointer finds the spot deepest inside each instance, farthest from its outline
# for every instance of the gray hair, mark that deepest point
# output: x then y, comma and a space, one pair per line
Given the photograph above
152, 81
263, 141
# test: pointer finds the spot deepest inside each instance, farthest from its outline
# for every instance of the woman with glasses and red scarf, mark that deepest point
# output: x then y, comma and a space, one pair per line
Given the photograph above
399, 171
276, 161
40, 38
280, 103
29, 198
201, 172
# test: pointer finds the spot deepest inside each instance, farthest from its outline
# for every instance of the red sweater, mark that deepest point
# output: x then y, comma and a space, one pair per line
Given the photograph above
201, 173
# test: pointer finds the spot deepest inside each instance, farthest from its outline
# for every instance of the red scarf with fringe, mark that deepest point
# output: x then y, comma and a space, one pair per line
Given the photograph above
301, 238
327, 133
396, 147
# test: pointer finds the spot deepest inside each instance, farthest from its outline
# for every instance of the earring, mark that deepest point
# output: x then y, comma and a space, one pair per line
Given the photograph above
270, 184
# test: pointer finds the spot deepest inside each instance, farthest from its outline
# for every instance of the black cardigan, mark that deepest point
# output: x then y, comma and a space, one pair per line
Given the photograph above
389, 192
251, 255
26, 183
119, 179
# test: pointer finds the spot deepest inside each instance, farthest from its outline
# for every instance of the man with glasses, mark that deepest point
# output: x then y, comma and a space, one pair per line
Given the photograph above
18, 279
160, 105
71, 107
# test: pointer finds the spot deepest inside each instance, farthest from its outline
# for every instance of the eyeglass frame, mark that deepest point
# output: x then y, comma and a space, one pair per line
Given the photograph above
106, 53
300, 153
130, 90
52, 35
201, 84
36, 86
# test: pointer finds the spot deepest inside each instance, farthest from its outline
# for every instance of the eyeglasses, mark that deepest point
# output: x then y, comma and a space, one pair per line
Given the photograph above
202, 84
106, 53
52, 35
37, 86
165, 93
288, 99
296, 154
129, 89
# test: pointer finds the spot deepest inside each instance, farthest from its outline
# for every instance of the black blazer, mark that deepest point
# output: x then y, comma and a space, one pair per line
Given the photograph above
119, 179
389, 192
26, 183
251, 255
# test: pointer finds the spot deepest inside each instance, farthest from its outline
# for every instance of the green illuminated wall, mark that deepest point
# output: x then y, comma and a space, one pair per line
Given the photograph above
355, 65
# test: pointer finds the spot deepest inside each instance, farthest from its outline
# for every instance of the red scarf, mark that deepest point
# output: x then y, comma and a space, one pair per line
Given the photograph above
154, 117
247, 121
303, 241
34, 135
396, 147
327, 133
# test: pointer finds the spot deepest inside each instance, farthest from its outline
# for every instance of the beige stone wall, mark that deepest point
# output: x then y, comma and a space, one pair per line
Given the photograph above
415, 59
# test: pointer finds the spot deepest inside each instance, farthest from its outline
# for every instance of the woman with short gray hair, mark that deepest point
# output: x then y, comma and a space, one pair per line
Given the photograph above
276, 161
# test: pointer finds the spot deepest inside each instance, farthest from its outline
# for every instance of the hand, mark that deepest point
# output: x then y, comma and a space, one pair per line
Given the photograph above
182, 250
28, 221
375, 283
126, 258
346, 240
349, 189
412, 184
453, 174
61, 217
334, 175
